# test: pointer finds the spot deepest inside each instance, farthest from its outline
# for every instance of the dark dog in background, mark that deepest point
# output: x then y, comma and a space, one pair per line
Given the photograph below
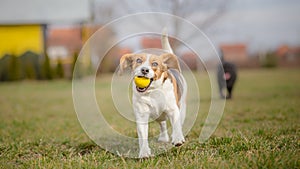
227, 78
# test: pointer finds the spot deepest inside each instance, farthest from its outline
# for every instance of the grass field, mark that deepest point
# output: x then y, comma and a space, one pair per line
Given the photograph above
260, 128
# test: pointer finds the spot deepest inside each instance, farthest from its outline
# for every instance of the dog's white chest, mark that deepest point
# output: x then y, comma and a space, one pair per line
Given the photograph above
156, 101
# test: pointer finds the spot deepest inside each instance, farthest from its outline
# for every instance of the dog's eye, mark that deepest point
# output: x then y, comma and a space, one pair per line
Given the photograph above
155, 64
139, 60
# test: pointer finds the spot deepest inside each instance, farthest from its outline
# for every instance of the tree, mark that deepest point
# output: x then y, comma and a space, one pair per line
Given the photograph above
4, 65
59, 69
202, 13
269, 60
78, 73
14, 69
47, 70
30, 65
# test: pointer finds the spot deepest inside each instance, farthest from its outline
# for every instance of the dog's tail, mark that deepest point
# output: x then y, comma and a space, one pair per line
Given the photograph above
165, 41
181, 83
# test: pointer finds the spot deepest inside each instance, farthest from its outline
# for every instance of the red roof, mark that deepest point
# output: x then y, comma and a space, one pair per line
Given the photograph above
69, 38
190, 59
148, 42
236, 52
124, 51
283, 50
234, 47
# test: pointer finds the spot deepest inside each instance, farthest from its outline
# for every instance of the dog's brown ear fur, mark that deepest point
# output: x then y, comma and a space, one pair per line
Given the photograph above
126, 62
171, 61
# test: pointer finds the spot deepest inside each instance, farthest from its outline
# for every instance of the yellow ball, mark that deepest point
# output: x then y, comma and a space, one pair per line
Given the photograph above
141, 82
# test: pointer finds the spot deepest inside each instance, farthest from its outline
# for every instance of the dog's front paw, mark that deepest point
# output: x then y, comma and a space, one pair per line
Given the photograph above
178, 141
145, 153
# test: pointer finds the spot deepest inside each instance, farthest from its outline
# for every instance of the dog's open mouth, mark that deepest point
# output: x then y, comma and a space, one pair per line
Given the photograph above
143, 89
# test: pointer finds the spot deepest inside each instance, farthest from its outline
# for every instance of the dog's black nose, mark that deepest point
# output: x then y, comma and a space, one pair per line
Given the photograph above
145, 70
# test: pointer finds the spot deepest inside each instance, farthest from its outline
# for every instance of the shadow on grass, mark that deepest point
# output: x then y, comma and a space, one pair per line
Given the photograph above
87, 148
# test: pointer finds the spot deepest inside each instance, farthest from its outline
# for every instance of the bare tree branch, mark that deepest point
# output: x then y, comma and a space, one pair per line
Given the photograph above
211, 10
214, 17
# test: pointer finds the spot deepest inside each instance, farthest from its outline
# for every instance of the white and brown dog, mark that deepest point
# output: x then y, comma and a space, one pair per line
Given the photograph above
164, 98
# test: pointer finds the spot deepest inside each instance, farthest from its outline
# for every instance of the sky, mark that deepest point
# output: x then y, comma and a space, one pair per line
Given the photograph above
43, 11
260, 24
263, 25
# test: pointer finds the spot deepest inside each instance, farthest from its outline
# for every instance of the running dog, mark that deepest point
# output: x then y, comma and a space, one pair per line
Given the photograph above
226, 78
164, 98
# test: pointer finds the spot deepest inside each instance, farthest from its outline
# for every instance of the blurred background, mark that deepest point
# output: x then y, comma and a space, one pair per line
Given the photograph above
42, 39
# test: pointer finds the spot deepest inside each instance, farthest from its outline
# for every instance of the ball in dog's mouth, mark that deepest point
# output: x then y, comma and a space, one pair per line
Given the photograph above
142, 83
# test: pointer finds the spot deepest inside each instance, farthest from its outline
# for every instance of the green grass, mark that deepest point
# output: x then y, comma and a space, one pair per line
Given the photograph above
259, 129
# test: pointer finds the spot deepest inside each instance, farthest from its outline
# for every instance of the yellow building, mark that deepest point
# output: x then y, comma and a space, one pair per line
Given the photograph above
23, 23
18, 39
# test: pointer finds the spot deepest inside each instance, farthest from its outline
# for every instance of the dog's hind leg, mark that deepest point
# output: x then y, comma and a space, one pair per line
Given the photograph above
177, 135
229, 89
163, 136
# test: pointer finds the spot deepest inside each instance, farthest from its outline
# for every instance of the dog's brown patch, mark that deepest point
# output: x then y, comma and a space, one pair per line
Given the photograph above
130, 61
159, 64
175, 88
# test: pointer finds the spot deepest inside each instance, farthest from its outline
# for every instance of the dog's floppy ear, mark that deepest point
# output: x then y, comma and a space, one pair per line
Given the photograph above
126, 62
171, 61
